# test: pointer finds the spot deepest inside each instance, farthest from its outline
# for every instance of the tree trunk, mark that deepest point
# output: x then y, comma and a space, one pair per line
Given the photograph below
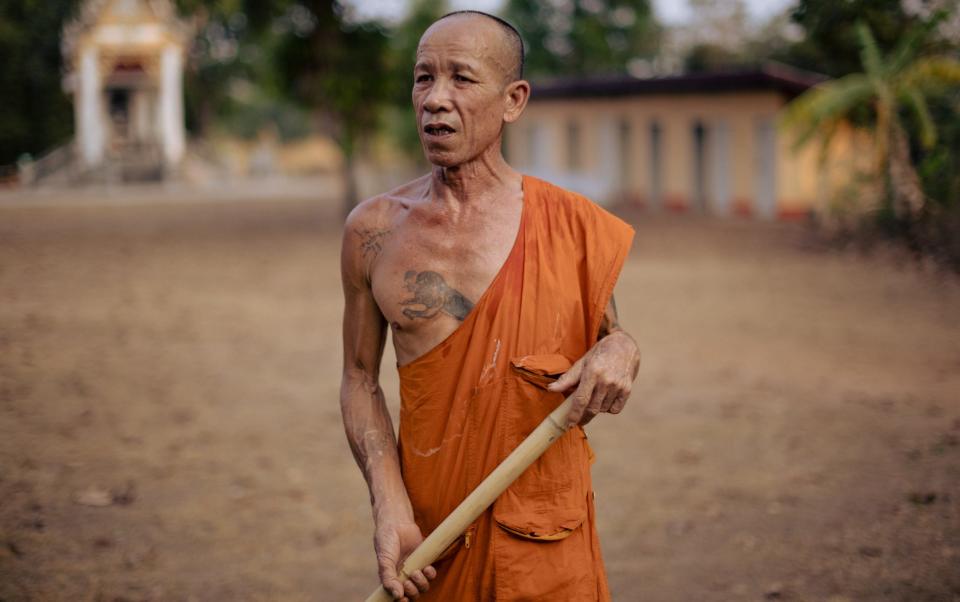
907, 192
350, 192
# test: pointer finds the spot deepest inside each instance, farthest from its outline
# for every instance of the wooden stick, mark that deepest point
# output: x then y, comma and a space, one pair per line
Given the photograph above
480, 498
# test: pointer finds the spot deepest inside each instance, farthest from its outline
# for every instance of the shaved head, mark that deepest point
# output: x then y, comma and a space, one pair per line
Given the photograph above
467, 83
513, 43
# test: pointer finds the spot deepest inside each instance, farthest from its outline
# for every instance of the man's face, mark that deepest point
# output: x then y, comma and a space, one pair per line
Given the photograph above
458, 90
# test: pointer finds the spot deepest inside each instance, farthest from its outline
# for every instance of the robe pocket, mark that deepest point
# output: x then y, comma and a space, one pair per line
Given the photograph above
526, 405
545, 555
548, 497
551, 525
541, 369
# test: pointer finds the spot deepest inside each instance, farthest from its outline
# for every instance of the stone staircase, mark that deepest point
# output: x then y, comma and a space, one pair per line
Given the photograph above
126, 163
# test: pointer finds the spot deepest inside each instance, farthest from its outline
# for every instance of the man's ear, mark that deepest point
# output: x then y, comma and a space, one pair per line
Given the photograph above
517, 94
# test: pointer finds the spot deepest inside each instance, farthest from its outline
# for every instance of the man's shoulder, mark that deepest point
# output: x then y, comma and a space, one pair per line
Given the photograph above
557, 194
571, 206
380, 210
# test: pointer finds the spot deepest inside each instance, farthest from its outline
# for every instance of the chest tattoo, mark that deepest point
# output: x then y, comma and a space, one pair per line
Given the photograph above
430, 292
371, 241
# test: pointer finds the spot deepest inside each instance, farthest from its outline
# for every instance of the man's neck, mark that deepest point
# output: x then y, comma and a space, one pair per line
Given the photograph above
480, 180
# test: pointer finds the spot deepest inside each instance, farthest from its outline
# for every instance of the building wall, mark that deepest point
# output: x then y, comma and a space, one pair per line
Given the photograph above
745, 159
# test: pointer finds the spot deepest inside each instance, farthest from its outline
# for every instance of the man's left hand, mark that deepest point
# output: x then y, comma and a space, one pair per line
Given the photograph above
603, 378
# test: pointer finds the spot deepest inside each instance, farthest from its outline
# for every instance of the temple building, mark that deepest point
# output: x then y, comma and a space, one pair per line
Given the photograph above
124, 61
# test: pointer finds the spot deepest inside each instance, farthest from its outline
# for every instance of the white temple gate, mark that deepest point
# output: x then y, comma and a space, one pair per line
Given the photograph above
125, 63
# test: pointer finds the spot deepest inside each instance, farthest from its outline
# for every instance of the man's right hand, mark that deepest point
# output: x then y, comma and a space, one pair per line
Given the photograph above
393, 542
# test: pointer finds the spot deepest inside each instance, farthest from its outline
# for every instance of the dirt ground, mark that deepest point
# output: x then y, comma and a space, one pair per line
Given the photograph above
169, 419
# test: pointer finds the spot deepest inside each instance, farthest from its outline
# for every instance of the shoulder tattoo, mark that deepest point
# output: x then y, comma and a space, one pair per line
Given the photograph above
430, 291
371, 241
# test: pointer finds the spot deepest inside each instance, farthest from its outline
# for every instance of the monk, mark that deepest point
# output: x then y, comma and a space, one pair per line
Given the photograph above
497, 289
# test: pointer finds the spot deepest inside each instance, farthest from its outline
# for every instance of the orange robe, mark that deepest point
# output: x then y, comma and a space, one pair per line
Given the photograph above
469, 401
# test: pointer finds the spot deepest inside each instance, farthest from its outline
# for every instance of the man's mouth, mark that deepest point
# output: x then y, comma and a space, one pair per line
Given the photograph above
438, 129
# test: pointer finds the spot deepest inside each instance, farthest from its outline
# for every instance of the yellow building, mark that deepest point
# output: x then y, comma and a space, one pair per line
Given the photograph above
698, 142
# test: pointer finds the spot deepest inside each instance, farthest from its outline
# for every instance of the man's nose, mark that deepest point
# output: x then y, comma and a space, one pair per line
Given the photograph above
438, 97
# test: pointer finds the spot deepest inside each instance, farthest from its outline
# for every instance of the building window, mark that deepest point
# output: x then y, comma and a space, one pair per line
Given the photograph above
533, 145
765, 168
626, 156
656, 163
720, 157
574, 158
700, 136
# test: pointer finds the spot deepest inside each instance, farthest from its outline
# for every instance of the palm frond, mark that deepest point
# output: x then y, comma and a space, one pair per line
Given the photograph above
932, 73
869, 52
827, 132
909, 45
824, 105
928, 131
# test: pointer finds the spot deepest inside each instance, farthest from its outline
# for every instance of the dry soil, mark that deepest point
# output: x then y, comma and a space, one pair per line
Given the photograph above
169, 419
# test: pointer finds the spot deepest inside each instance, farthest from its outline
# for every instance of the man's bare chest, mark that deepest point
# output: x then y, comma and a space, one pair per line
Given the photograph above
426, 281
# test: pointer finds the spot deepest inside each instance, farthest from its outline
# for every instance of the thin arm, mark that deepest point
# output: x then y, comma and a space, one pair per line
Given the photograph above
366, 419
610, 322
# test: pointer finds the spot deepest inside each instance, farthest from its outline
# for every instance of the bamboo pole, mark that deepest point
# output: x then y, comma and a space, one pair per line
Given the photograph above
480, 498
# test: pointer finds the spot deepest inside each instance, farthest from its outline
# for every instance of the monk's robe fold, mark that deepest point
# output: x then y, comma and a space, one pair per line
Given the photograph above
469, 401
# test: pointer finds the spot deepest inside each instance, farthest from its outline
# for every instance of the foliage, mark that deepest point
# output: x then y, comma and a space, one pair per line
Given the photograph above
35, 113
339, 70
708, 57
717, 36
576, 37
336, 68
899, 80
229, 80
830, 42
295, 64
400, 123
939, 166
894, 84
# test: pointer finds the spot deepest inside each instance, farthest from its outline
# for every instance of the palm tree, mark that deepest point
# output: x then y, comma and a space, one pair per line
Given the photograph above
902, 79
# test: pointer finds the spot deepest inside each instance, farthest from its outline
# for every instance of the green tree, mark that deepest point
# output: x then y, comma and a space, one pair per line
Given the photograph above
831, 44
401, 123
35, 113
578, 37
890, 85
939, 166
231, 51
339, 70
718, 33
707, 57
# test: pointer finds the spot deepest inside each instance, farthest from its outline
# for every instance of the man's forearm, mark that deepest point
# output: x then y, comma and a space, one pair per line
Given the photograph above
370, 434
610, 325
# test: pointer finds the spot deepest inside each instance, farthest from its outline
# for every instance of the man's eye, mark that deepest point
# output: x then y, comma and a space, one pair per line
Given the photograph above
422, 78
462, 78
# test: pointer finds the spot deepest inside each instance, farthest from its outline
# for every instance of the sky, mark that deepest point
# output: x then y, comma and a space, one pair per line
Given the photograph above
670, 12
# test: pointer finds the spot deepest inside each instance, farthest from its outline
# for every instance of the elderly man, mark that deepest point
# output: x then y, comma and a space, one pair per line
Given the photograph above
497, 288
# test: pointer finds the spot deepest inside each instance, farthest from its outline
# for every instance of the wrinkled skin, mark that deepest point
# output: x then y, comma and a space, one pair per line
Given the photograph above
393, 541
602, 379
